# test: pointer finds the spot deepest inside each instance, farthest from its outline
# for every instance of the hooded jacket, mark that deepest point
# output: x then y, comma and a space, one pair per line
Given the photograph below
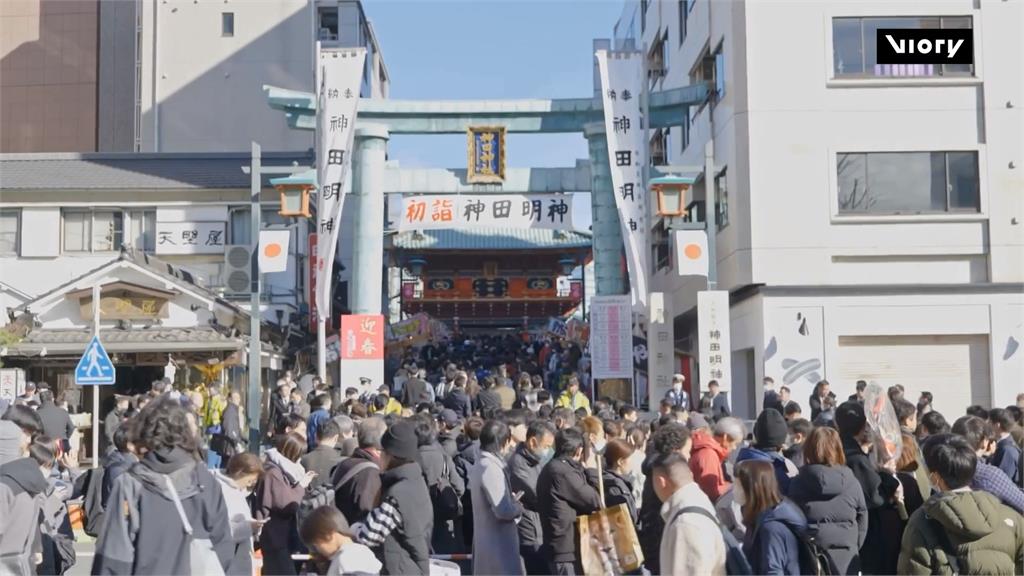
160, 541
784, 469
772, 547
618, 490
706, 459
10, 441
21, 487
833, 503
567, 491
985, 537
358, 495
277, 498
240, 521
402, 524
116, 463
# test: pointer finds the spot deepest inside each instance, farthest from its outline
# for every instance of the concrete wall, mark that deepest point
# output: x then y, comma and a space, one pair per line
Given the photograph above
117, 77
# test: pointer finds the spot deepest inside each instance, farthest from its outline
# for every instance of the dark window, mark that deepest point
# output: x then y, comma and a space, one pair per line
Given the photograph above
721, 200
661, 245
854, 41
908, 182
684, 13
227, 24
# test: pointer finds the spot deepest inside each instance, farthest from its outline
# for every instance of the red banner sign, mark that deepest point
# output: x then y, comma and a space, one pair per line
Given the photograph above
362, 337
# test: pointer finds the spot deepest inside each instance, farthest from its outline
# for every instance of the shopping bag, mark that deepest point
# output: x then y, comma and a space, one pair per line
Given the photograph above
608, 542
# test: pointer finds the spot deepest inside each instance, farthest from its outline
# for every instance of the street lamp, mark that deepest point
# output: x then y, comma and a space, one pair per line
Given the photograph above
294, 191
416, 264
568, 264
671, 191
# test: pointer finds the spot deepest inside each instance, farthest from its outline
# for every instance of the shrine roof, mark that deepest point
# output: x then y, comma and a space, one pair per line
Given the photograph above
491, 239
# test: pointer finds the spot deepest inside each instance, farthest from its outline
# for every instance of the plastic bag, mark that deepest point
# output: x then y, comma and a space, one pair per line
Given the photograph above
883, 422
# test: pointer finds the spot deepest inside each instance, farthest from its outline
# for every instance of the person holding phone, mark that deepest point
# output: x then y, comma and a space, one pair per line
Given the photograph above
495, 507
278, 495
237, 482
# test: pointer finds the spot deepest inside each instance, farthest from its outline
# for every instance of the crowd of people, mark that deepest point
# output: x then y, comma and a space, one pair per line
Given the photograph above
489, 450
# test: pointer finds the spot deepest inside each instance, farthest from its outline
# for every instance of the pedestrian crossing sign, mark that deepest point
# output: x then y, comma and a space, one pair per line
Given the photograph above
95, 367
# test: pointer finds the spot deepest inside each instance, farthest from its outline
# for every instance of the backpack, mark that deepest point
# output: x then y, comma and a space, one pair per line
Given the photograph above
447, 504
92, 504
736, 562
814, 558
322, 495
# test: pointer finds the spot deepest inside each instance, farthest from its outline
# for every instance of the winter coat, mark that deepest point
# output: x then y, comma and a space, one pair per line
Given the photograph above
995, 482
459, 402
313, 426
352, 559
358, 496
406, 550
321, 460
878, 550
277, 497
784, 469
157, 541
772, 547
10, 441
651, 522
278, 408
691, 543
488, 400
110, 425
240, 521
715, 408
116, 463
56, 421
231, 430
986, 537
816, 404
618, 490
416, 391
449, 442
1007, 459
706, 458
833, 503
22, 489
524, 470
436, 465
566, 491
573, 401
495, 511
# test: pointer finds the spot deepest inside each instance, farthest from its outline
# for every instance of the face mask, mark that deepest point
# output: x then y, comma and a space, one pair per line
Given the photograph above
677, 387
738, 495
546, 455
600, 444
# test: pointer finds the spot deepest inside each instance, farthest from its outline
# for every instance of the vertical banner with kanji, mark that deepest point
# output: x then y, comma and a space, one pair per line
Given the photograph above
362, 350
621, 84
713, 339
340, 74
311, 284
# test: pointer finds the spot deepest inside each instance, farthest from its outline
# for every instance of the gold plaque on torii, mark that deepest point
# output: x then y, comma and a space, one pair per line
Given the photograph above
486, 154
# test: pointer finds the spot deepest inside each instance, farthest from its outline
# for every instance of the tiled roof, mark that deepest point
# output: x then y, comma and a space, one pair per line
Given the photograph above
134, 335
135, 171
490, 239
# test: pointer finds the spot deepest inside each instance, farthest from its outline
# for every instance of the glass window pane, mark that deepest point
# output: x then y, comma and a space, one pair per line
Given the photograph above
852, 177
847, 51
720, 73
107, 231
963, 181
76, 231
240, 225
9, 232
905, 182
871, 26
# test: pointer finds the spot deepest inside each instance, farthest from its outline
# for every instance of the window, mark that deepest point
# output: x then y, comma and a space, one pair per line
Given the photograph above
657, 59
684, 131
661, 244
719, 73
93, 230
9, 232
657, 148
854, 43
684, 14
690, 4
227, 24
721, 200
241, 224
907, 182
143, 230
644, 4
328, 23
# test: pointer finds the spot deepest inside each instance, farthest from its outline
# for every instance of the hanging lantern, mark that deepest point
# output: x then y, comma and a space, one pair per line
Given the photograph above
294, 191
567, 264
416, 264
671, 191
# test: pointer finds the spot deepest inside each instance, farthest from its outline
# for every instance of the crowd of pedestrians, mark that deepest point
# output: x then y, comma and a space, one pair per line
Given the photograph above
490, 450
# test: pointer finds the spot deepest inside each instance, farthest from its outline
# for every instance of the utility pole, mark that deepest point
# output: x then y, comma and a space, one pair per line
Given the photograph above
710, 212
95, 388
254, 402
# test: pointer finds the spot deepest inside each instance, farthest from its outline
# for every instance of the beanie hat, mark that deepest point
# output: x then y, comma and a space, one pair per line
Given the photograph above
400, 440
697, 421
850, 418
770, 430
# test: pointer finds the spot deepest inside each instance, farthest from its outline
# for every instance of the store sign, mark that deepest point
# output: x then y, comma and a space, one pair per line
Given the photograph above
486, 154
548, 211
190, 237
12, 383
611, 337
715, 346
362, 337
621, 85
126, 307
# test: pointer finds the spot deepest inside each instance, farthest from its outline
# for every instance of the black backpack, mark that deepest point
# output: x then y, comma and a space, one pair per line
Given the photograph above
92, 501
736, 563
322, 495
814, 558
447, 504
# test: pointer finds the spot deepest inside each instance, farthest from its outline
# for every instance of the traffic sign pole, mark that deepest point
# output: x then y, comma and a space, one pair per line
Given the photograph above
95, 389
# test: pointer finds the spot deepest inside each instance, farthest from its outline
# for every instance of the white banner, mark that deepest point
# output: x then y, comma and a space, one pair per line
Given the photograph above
190, 237
611, 337
621, 84
274, 250
340, 73
691, 252
551, 211
714, 342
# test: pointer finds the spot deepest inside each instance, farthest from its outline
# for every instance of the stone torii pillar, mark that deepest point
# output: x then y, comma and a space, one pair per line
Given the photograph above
606, 231
368, 167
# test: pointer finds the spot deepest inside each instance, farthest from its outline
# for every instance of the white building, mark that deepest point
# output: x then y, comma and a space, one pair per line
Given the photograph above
870, 216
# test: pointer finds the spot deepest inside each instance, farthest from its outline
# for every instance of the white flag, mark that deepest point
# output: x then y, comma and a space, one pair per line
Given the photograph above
691, 252
621, 84
274, 250
340, 74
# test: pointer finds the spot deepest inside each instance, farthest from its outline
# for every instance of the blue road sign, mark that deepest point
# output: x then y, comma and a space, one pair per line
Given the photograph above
95, 367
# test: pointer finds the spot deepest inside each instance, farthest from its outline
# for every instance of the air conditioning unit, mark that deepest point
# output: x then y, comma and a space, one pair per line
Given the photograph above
237, 276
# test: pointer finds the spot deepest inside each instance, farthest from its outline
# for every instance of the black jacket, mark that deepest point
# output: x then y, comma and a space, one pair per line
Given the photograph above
116, 463
415, 392
567, 491
435, 462
321, 460
56, 422
407, 549
772, 400
833, 502
278, 408
618, 490
524, 471
651, 523
488, 400
715, 408
359, 495
459, 402
449, 442
231, 423
877, 552
815, 403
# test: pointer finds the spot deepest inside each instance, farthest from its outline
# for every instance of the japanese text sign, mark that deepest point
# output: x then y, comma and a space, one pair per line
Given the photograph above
621, 86
340, 73
715, 346
362, 337
486, 154
611, 337
190, 237
550, 211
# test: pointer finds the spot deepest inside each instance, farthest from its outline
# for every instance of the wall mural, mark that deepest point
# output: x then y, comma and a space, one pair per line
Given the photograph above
794, 355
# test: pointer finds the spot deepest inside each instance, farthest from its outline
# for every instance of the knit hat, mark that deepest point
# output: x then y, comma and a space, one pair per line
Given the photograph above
449, 417
770, 430
850, 418
697, 421
400, 440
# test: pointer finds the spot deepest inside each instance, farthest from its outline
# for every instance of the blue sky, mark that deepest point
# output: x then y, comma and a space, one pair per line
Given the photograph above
490, 49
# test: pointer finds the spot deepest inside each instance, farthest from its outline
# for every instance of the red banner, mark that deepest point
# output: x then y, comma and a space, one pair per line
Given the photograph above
362, 337
311, 285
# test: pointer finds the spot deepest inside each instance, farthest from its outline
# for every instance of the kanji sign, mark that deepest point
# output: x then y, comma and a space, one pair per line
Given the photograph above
190, 237
713, 338
550, 211
362, 337
611, 337
621, 84
486, 154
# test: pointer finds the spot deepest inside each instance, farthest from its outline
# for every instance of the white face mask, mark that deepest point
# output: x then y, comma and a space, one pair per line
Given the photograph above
738, 495
600, 444
677, 387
